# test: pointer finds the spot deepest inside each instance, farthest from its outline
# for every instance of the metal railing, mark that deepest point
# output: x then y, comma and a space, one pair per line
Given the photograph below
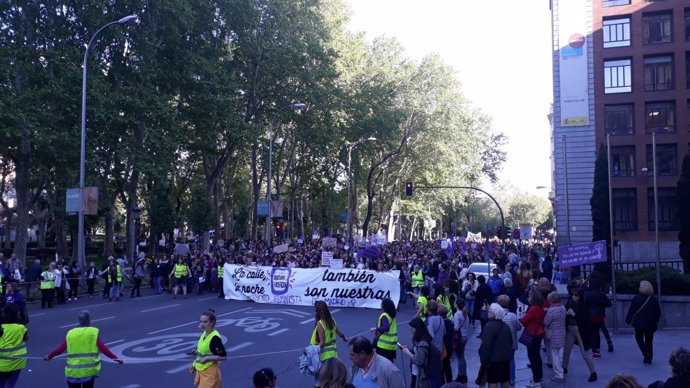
587, 269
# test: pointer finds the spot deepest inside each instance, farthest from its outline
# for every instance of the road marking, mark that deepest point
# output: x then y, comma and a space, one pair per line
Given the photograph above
277, 332
294, 313
312, 319
95, 320
107, 303
160, 308
187, 366
114, 342
192, 322
213, 297
37, 315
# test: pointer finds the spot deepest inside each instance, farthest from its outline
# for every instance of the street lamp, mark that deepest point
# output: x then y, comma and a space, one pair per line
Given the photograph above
127, 20
136, 214
269, 198
656, 221
350, 147
611, 229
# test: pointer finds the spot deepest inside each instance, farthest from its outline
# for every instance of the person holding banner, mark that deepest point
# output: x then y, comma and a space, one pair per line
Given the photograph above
386, 330
325, 331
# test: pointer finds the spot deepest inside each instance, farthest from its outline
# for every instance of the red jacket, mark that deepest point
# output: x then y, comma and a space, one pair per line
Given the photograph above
533, 321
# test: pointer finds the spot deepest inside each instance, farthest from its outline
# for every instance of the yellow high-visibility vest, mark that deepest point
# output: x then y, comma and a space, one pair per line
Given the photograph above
83, 358
12, 347
203, 348
328, 351
389, 339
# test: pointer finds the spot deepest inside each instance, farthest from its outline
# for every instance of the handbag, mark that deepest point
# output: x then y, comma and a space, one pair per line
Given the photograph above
526, 338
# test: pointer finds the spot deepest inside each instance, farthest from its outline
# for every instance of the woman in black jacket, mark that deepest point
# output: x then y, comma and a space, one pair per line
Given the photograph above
482, 297
643, 315
496, 349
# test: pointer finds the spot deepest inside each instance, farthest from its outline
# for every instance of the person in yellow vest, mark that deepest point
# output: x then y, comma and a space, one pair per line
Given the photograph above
115, 281
221, 292
325, 331
83, 345
442, 299
12, 346
47, 286
417, 277
209, 351
386, 331
422, 301
179, 273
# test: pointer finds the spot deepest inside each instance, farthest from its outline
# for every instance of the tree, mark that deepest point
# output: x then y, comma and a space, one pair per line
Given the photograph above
599, 203
529, 209
683, 203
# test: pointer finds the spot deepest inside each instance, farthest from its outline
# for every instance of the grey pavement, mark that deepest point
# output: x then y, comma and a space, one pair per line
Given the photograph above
152, 333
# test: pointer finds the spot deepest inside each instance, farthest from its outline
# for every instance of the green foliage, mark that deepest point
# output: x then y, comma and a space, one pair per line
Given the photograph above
683, 203
672, 281
599, 203
527, 208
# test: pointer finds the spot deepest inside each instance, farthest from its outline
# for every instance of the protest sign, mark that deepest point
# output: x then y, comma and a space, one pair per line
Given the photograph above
304, 286
579, 254
326, 258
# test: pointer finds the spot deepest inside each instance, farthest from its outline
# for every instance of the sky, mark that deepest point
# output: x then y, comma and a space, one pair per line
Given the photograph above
501, 52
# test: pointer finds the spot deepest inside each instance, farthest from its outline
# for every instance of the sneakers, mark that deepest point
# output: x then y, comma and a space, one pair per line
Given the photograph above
596, 355
593, 377
69, 299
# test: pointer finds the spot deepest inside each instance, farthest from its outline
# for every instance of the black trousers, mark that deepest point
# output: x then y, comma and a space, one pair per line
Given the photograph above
73, 288
137, 287
644, 339
87, 384
90, 283
47, 295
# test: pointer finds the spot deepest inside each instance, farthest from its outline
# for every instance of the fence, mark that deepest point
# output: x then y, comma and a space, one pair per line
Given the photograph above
587, 269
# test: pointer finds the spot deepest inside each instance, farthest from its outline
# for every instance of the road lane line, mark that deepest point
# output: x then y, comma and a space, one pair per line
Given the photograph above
160, 308
278, 332
193, 322
114, 342
213, 297
95, 320
187, 366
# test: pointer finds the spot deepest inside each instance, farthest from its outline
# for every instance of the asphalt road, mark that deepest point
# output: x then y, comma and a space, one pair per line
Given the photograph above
152, 333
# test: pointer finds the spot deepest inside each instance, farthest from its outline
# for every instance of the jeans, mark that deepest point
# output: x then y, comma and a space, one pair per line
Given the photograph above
512, 367
535, 360
462, 363
115, 288
469, 303
157, 284
556, 361
90, 283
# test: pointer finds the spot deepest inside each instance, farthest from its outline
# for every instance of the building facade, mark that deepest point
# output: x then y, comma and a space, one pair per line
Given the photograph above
635, 55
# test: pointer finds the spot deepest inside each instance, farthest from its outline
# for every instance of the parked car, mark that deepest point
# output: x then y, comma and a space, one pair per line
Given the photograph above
481, 269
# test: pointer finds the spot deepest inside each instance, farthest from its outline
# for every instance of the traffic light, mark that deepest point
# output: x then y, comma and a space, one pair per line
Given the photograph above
409, 189
279, 227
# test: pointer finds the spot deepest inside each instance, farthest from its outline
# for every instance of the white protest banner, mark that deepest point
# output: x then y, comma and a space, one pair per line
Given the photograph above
304, 286
336, 263
326, 258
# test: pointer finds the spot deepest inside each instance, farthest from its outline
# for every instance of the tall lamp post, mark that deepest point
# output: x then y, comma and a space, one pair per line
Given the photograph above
127, 20
269, 198
350, 147
611, 230
136, 214
656, 224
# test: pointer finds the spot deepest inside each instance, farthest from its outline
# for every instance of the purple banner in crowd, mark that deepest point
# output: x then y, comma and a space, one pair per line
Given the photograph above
588, 253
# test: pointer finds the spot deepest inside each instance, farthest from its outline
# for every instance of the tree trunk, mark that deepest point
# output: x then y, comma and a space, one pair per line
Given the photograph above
255, 193
8, 230
22, 164
108, 243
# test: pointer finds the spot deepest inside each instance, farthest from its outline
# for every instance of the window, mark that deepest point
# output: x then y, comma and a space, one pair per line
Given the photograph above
617, 76
657, 27
616, 32
623, 161
666, 159
614, 3
687, 24
624, 210
658, 73
619, 119
666, 199
687, 114
660, 117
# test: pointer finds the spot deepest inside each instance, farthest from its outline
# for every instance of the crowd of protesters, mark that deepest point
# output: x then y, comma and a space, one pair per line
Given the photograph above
450, 301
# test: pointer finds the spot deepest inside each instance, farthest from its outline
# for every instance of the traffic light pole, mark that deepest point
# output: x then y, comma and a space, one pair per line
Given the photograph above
500, 211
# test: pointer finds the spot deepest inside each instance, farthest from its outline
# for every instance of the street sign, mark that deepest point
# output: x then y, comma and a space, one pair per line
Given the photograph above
72, 201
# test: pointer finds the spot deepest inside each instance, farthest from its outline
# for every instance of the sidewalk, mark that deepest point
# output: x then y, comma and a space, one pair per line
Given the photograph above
626, 359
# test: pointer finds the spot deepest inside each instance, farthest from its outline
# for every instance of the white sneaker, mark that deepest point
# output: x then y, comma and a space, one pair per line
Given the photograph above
75, 298
69, 299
